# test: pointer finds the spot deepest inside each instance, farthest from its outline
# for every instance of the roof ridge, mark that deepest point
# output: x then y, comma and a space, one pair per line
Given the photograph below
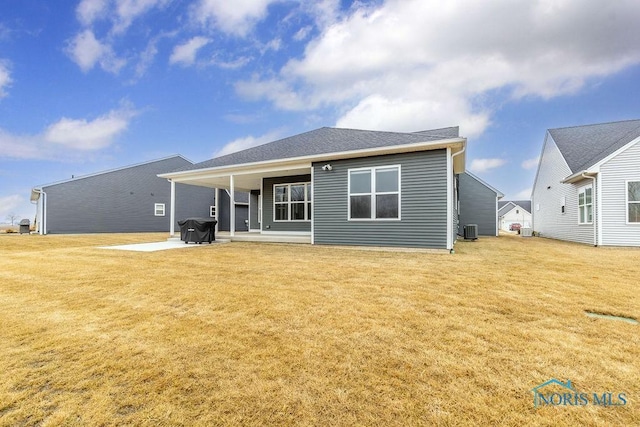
596, 124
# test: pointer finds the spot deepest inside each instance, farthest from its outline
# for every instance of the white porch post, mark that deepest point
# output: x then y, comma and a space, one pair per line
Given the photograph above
217, 206
232, 207
172, 215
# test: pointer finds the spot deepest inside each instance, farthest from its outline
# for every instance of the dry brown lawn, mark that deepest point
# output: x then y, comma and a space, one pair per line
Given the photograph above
266, 334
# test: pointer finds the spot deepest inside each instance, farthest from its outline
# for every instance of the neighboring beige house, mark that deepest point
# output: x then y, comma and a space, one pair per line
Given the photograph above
587, 188
512, 212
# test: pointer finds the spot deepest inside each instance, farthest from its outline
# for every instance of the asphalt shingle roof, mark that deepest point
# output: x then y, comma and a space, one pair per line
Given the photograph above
584, 146
324, 141
524, 204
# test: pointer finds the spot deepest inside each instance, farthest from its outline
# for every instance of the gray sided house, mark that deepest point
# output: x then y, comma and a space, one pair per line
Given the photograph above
587, 187
128, 199
478, 204
343, 186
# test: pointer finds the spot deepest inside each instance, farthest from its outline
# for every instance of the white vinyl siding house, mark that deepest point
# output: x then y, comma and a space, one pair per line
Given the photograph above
615, 176
549, 195
513, 213
585, 186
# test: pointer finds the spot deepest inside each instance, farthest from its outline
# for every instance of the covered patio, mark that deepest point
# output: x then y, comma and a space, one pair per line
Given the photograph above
249, 178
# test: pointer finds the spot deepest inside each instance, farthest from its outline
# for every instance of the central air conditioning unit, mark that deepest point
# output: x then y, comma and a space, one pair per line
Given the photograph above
471, 232
526, 232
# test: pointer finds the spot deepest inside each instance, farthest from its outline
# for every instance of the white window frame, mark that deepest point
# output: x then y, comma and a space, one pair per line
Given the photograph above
212, 211
307, 201
627, 202
159, 209
373, 193
581, 190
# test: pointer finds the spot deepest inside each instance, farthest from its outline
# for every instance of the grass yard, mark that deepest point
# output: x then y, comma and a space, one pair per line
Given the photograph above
265, 334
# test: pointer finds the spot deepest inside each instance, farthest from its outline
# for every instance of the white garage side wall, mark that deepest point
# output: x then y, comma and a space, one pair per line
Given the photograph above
614, 175
548, 194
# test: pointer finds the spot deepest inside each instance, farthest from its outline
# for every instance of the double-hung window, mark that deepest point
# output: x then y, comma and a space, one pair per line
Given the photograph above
585, 205
292, 202
633, 202
374, 193
158, 209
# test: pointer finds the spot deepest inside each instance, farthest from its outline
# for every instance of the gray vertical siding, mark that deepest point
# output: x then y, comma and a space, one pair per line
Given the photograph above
123, 200
423, 186
477, 206
224, 217
267, 206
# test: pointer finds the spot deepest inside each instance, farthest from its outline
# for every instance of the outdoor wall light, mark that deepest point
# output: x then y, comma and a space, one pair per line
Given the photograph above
327, 167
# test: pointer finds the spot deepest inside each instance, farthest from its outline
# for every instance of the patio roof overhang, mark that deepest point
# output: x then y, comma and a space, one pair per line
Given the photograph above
248, 176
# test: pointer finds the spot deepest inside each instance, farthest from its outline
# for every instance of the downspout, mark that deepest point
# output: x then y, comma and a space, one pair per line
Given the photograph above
593, 198
40, 210
464, 147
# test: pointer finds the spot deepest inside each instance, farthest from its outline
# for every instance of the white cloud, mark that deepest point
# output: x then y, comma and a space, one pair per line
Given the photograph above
530, 163
89, 135
89, 11
9, 204
5, 77
185, 54
121, 12
68, 137
523, 195
248, 142
414, 64
86, 51
483, 165
232, 17
19, 146
128, 10
302, 33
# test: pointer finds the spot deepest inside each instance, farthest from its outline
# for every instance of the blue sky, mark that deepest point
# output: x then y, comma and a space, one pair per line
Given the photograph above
92, 85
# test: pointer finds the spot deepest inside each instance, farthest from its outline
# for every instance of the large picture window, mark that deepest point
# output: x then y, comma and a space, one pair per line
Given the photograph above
585, 205
292, 202
633, 202
374, 193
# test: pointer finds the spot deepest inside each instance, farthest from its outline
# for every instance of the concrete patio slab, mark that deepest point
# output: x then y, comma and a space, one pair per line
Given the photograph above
160, 246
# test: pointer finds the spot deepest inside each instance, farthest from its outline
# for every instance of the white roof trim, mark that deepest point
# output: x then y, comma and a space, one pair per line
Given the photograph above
286, 163
595, 168
515, 206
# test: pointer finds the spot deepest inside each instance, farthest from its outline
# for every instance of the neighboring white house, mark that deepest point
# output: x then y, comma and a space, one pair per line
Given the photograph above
587, 187
512, 212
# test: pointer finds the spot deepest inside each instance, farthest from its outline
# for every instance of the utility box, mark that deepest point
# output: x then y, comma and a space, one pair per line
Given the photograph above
25, 224
526, 232
471, 232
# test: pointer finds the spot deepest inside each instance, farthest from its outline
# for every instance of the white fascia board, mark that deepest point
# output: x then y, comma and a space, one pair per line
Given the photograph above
595, 168
306, 161
578, 176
